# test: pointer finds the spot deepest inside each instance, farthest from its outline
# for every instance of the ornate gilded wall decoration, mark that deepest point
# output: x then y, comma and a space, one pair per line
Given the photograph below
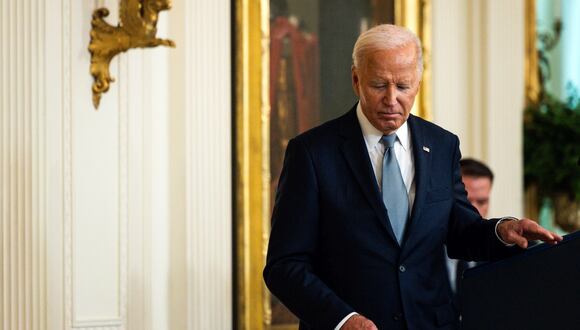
137, 28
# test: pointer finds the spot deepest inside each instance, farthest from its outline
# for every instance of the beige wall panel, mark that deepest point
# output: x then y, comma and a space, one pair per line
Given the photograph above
478, 87
450, 64
208, 119
505, 103
22, 152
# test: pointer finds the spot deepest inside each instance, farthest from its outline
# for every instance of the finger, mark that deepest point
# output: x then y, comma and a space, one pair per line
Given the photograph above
522, 242
542, 234
531, 230
515, 238
557, 237
370, 325
539, 233
513, 232
556, 240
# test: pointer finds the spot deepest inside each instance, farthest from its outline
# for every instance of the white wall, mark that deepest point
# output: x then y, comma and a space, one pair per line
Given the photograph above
118, 218
478, 87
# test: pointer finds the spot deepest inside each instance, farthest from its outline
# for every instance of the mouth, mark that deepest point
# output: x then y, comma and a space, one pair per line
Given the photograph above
389, 115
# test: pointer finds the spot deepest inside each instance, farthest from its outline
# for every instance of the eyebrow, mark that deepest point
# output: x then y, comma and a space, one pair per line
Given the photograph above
401, 81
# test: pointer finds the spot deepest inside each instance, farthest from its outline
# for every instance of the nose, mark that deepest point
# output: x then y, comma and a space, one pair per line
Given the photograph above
390, 97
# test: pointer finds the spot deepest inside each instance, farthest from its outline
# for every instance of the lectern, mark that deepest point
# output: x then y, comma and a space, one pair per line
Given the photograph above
538, 289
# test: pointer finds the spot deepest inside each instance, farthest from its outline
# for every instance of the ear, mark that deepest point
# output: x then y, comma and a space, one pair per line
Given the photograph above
355, 80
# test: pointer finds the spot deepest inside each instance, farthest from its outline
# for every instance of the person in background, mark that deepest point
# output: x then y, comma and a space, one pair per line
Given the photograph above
478, 180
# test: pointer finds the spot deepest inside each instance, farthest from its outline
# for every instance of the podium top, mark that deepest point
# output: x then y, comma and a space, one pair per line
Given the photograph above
528, 253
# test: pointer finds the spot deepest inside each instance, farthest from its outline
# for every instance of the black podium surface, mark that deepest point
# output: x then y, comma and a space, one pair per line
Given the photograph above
538, 289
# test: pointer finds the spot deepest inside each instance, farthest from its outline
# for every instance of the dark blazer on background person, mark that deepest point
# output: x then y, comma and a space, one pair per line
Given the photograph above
332, 250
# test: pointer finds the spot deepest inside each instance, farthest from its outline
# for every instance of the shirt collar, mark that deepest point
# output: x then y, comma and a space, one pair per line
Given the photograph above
373, 136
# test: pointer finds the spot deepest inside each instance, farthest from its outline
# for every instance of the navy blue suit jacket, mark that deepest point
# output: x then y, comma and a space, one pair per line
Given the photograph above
332, 250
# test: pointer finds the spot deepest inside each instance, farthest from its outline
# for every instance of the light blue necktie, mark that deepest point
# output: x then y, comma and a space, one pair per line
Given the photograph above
393, 188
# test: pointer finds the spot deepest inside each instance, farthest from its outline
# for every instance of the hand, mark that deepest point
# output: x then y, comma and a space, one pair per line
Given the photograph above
358, 322
520, 232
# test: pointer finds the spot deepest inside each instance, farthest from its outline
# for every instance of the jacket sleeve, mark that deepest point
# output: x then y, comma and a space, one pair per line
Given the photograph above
290, 268
471, 237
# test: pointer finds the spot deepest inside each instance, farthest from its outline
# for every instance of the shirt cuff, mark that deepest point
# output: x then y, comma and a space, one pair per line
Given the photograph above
344, 320
497, 234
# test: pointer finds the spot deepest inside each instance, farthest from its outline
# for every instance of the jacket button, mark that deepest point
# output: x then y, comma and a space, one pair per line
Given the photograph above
402, 268
397, 317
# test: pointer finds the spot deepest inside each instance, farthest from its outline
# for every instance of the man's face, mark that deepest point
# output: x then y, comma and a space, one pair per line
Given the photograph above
478, 190
386, 84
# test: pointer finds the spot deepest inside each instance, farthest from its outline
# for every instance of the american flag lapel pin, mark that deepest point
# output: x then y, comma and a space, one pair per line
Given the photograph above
426, 149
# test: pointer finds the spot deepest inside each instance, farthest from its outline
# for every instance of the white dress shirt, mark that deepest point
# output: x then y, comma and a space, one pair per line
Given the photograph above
376, 150
403, 152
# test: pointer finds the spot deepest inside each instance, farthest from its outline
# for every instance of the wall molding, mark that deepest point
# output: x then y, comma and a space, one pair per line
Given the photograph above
208, 111
71, 66
123, 188
138, 311
22, 168
67, 162
101, 323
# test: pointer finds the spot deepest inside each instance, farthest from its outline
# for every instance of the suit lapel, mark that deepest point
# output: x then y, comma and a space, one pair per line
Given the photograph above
356, 155
422, 148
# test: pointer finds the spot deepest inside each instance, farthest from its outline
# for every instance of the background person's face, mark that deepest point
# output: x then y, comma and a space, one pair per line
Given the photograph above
386, 84
478, 191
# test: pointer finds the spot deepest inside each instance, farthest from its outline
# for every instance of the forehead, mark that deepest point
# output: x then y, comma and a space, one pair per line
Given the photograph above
477, 184
398, 62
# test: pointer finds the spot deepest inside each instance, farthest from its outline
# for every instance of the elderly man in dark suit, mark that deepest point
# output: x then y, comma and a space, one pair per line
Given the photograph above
367, 201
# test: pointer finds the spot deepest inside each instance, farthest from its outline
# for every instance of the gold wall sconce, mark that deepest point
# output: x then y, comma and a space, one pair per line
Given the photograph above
137, 28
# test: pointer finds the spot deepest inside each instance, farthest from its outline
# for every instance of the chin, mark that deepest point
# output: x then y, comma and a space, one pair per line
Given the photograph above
389, 126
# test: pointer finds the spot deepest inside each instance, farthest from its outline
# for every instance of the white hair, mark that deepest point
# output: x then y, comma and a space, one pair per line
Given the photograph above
385, 37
